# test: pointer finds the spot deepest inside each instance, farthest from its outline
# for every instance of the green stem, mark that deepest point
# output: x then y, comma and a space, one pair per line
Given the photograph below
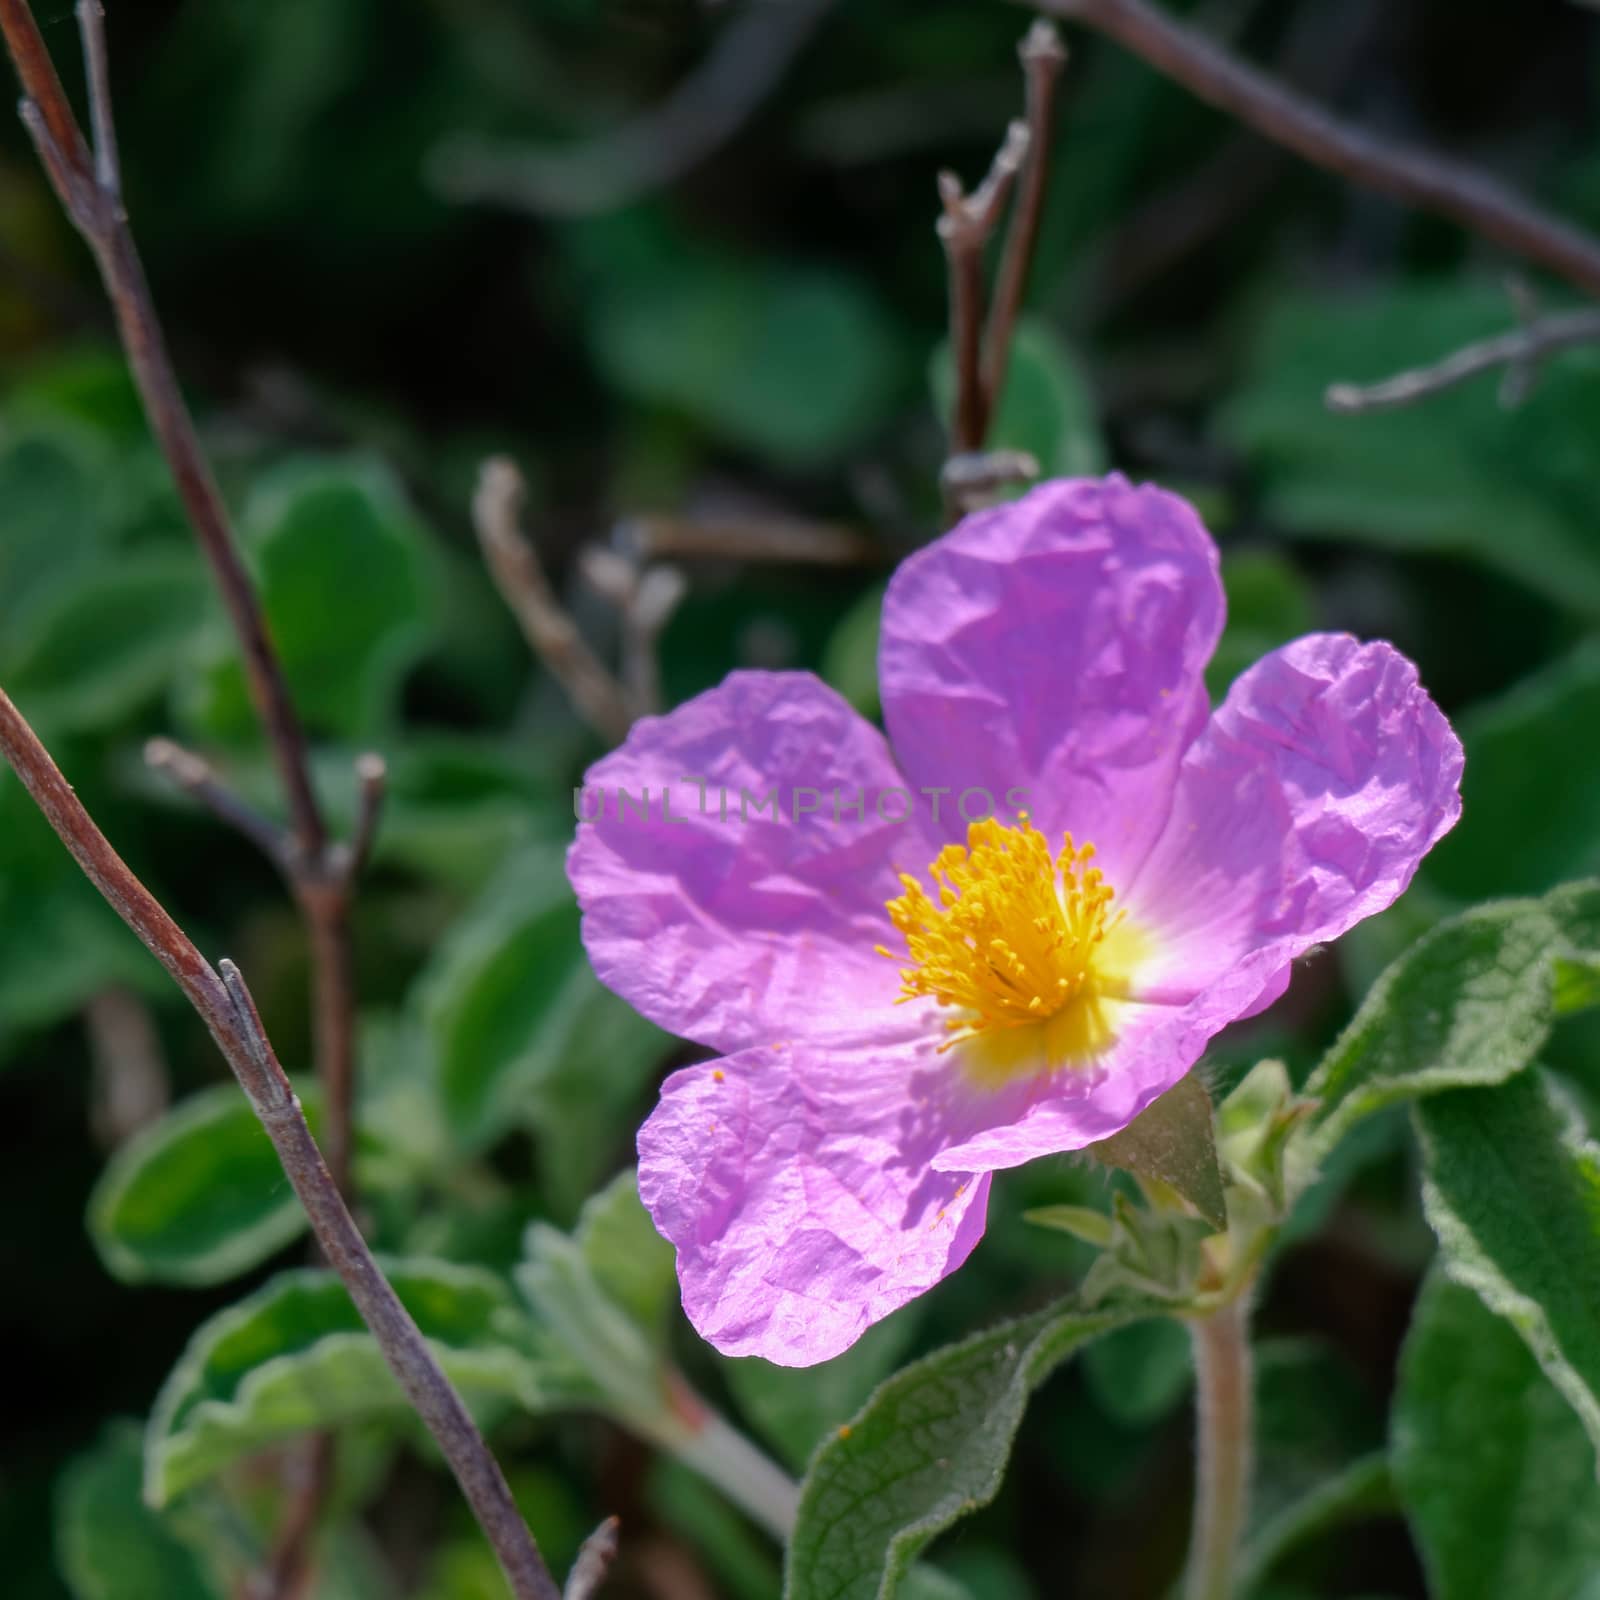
1225, 1407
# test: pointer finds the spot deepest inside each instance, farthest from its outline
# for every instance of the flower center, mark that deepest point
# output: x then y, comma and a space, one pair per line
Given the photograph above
1012, 939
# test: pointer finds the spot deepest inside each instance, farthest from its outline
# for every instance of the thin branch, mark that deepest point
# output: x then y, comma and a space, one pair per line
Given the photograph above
745, 538
372, 784
964, 230
195, 776
40, 83
225, 1005
1043, 58
96, 210
551, 633
88, 181
1426, 181
973, 479
97, 69
1521, 351
594, 1560
645, 600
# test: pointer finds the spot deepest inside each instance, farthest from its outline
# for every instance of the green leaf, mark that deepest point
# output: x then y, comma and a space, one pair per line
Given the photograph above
457, 806
630, 1261
60, 943
1493, 849
1269, 603
50, 525
197, 1197
1173, 1141
1451, 475
296, 1356
1512, 1188
108, 643
796, 363
796, 1407
1046, 409
850, 661
601, 1294
1469, 1003
345, 584
929, 1447
1495, 1472
523, 1032
109, 1544
1316, 1416
1139, 1373
1361, 1491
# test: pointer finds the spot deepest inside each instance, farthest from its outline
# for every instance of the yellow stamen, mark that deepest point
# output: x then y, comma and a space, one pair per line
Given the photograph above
1013, 937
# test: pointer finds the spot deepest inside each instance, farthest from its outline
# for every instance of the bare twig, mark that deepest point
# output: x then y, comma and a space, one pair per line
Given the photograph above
1428, 182
595, 1556
372, 783
745, 64
195, 776
224, 1004
288, 1573
744, 538
551, 633
87, 178
1519, 350
974, 479
96, 209
645, 599
1043, 57
964, 230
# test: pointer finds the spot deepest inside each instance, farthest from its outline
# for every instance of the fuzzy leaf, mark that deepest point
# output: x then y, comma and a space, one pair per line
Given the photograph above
930, 1446
1469, 1003
1512, 1188
109, 643
796, 1407
345, 585
196, 1198
523, 1032
109, 1544
1174, 1141
629, 1259
296, 1356
1500, 1489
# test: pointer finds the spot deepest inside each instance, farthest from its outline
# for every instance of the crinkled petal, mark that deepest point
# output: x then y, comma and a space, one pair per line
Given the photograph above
1057, 645
723, 924
1305, 806
796, 1185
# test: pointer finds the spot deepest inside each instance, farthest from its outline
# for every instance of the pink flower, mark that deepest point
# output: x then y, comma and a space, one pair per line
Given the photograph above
834, 1162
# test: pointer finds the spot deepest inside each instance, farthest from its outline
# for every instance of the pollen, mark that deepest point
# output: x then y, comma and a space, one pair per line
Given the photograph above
1010, 936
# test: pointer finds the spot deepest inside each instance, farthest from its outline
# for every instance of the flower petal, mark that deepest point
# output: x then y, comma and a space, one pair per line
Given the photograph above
735, 928
1058, 645
1306, 805
796, 1186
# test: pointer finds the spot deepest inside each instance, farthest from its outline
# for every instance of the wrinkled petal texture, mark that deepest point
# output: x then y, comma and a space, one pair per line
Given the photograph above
796, 1184
1305, 806
1057, 644
745, 929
